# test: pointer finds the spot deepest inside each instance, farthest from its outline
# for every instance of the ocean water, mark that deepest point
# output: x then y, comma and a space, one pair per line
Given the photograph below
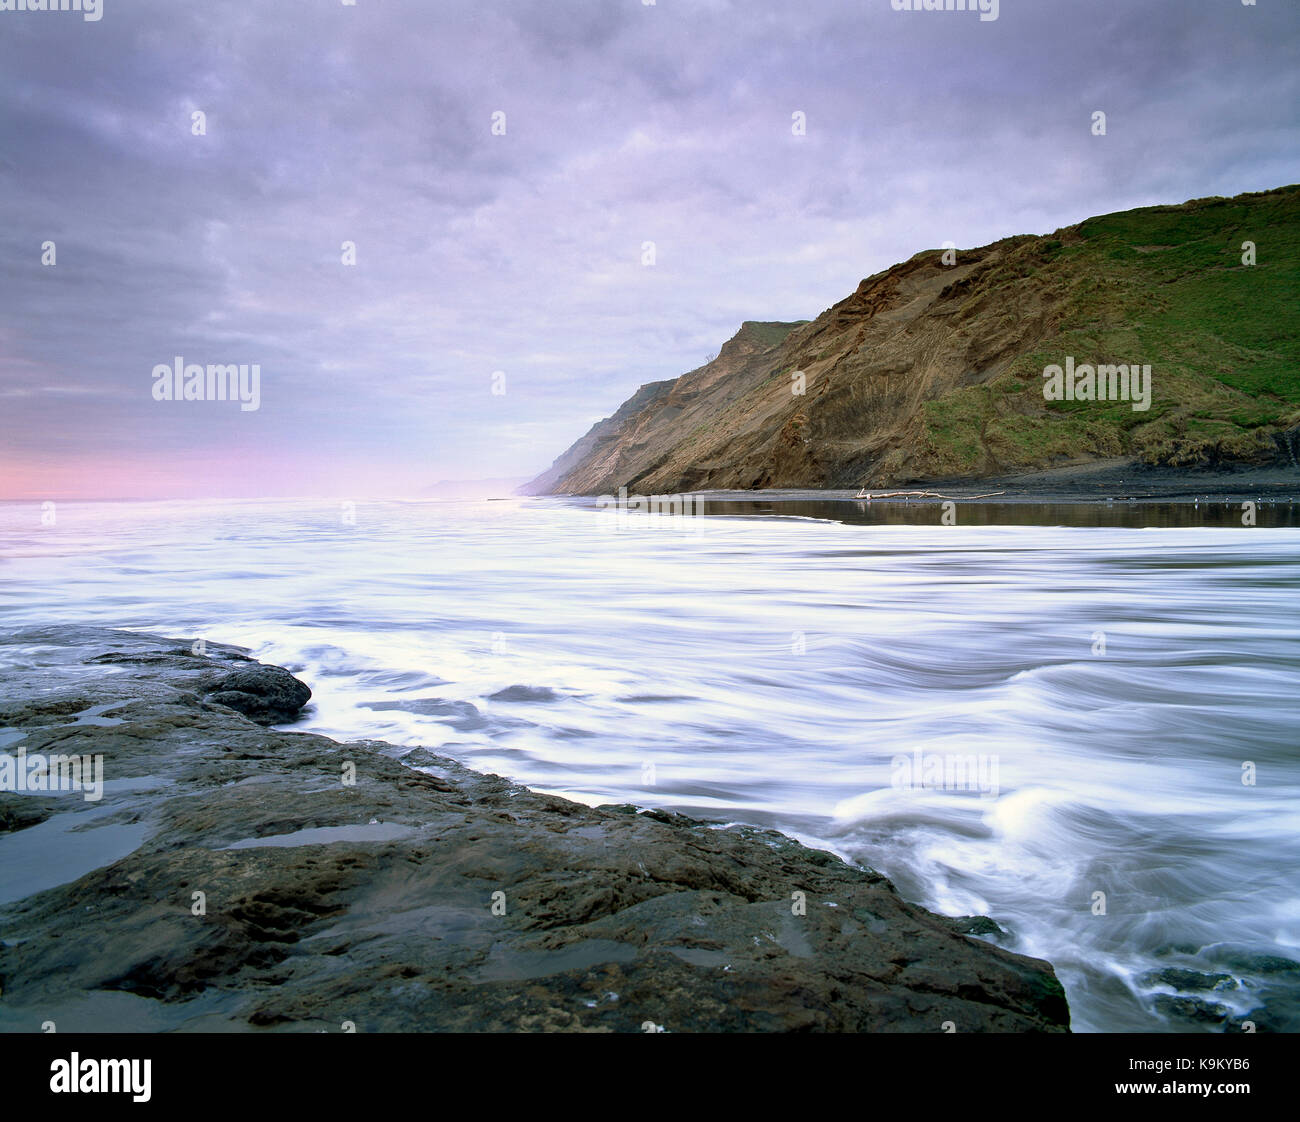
1087, 732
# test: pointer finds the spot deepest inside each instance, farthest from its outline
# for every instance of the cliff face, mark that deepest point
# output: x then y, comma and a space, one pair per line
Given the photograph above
933, 370
634, 443
602, 440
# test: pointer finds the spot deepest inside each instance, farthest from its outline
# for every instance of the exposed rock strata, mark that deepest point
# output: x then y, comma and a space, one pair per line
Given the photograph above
932, 369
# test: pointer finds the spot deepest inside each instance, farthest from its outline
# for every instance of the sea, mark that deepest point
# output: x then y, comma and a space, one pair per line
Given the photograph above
1081, 721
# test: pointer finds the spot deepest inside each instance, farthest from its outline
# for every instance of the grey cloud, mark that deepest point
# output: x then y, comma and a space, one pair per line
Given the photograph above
626, 123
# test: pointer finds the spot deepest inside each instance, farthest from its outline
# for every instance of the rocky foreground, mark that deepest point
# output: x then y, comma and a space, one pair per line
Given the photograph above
233, 877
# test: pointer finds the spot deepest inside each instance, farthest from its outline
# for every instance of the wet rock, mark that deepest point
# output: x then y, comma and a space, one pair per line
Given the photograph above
1165, 950
1280, 1017
1192, 1010
17, 812
1271, 982
1190, 981
524, 693
480, 905
269, 695
671, 818
975, 925
460, 715
1255, 963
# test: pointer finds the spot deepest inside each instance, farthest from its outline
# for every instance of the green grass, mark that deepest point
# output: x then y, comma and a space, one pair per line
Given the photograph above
1163, 286
770, 333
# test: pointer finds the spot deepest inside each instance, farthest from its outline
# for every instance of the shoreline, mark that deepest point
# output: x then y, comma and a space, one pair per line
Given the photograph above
1101, 483
236, 880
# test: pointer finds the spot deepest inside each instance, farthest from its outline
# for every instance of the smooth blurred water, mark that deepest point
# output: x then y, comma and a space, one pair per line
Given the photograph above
774, 670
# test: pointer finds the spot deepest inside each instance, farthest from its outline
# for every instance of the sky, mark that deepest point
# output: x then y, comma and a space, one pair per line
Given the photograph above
551, 202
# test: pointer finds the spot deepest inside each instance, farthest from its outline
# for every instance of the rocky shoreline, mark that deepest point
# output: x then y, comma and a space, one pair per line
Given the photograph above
235, 877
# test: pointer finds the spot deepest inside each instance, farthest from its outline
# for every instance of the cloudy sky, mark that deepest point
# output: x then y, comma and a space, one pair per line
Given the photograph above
520, 251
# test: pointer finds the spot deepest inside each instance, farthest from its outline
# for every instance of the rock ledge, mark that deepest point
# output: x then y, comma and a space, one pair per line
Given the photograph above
260, 887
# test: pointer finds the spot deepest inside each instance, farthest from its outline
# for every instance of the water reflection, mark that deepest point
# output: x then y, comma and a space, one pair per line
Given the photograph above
1120, 514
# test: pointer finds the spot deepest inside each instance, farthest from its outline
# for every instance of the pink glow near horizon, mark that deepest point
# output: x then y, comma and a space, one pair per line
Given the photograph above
90, 476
